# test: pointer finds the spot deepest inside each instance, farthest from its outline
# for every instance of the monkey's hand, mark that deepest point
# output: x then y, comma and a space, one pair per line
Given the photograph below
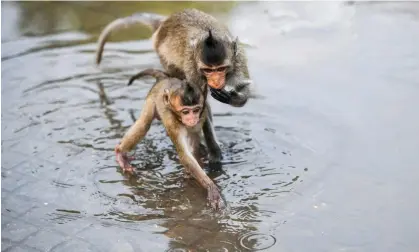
123, 161
221, 95
214, 197
237, 96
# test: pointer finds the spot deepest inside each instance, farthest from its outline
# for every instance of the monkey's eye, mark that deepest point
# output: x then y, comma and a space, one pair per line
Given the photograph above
196, 110
221, 69
207, 70
185, 112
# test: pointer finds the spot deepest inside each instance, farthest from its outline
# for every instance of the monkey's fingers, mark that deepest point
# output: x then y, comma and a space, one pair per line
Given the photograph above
128, 169
221, 95
214, 198
123, 161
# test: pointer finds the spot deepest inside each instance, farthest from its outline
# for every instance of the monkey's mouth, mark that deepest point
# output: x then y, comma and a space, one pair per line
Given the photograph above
191, 125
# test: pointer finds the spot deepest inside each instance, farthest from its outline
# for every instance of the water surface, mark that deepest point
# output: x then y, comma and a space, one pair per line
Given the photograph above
324, 159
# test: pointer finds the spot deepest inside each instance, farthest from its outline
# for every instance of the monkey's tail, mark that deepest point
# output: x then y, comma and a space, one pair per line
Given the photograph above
150, 19
158, 74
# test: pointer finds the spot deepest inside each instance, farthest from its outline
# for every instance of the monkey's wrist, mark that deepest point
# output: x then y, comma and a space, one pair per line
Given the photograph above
207, 183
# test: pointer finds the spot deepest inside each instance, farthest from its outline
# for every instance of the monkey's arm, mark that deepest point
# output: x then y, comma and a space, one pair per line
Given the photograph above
183, 145
136, 132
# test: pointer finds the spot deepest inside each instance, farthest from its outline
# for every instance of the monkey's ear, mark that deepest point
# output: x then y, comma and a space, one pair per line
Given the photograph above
166, 96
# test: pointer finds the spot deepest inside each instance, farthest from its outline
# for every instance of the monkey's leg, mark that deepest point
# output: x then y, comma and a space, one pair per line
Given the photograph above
136, 132
182, 142
214, 150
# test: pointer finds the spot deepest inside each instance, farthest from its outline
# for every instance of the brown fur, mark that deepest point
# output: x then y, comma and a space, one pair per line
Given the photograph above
185, 139
177, 40
177, 43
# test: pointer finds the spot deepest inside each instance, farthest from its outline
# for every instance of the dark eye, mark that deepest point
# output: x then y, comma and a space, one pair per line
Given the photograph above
196, 110
221, 69
185, 112
206, 70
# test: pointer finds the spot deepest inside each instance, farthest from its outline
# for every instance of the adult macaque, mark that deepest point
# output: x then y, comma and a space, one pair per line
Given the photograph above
194, 45
182, 109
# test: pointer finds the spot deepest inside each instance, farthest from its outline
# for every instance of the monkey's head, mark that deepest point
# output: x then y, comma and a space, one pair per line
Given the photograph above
186, 102
214, 60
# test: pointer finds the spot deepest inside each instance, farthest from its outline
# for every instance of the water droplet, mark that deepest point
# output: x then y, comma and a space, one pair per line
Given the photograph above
257, 241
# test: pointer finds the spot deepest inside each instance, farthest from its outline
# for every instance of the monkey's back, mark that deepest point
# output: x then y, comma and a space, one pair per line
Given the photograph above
196, 19
179, 33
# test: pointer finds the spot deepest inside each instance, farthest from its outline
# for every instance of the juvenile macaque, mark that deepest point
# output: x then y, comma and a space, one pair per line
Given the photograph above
182, 109
194, 45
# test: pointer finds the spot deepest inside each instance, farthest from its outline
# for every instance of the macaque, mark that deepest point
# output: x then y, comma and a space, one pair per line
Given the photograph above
194, 45
182, 109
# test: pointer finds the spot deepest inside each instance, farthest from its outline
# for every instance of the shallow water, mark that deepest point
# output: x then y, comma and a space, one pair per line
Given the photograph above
323, 159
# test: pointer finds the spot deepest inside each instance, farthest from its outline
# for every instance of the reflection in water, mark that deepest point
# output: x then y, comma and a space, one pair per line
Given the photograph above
275, 149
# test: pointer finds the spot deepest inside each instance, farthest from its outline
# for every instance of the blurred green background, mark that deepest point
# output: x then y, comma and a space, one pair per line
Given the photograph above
47, 17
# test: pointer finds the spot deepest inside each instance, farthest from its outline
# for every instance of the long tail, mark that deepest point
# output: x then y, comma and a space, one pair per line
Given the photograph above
158, 74
149, 19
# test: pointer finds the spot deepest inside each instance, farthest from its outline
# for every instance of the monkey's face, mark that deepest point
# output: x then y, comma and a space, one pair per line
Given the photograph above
214, 60
215, 76
188, 115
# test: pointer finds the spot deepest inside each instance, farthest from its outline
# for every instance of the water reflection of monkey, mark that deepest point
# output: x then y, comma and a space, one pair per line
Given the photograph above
182, 109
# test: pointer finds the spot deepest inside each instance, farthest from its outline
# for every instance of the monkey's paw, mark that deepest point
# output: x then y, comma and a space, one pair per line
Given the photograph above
214, 157
214, 198
221, 95
123, 161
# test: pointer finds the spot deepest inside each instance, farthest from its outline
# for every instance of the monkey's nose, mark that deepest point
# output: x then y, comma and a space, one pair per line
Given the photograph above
216, 84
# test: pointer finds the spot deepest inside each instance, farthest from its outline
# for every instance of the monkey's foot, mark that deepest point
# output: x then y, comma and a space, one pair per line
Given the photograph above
214, 197
123, 161
214, 157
